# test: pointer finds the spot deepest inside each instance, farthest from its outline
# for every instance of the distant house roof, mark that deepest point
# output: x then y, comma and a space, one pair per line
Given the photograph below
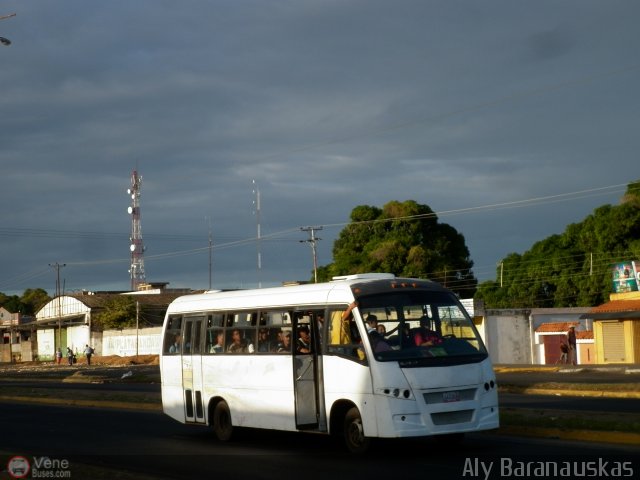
586, 335
76, 307
616, 309
101, 299
556, 327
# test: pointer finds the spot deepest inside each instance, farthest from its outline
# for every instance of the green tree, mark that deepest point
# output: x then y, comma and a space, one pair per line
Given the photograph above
34, 299
28, 304
11, 303
117, 312
403, 238
571, 269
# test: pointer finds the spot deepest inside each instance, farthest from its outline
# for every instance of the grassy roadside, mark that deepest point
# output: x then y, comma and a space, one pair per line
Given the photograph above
149, 402
562, 419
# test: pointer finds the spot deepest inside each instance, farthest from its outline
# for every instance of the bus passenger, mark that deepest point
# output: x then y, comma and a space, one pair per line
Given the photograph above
238, 344
303, 344
424, 336
264, 342
175, 347
378, 343
285, 346
219, 346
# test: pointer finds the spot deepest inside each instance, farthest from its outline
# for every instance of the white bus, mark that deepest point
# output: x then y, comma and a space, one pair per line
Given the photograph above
305, 358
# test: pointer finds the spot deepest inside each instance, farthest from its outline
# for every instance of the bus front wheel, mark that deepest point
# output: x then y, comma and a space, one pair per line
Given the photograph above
222, 427
354, 437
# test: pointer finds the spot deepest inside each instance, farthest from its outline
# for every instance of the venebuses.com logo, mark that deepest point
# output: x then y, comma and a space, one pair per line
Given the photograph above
39, 467
18, 467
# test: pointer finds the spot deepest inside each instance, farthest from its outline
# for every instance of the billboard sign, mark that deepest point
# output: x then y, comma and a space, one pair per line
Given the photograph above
626, 276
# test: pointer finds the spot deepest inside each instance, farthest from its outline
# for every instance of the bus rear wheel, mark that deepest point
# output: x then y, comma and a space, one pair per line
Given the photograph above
222, 427
354, 437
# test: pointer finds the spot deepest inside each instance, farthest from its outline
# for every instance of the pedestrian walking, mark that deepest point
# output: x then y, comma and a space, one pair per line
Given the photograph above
58, 355
564, 351
70, 356
88, 351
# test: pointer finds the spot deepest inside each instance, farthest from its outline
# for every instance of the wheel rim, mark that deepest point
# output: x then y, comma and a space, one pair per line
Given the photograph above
223, 421
355, 433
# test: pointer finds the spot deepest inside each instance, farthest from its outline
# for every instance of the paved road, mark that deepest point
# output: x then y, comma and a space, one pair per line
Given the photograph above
154, 445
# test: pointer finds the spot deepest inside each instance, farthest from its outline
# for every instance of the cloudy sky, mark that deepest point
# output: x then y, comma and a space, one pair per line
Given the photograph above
511, 119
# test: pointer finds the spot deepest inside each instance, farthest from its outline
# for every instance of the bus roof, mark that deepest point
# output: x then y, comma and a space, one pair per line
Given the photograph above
338, 290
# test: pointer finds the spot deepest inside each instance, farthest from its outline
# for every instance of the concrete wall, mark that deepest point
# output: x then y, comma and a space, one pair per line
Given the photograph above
586, 351
46, 343
507, 335
77, 337
123, 342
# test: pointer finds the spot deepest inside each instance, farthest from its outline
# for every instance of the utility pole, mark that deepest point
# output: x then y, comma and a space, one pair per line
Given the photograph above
312, 240
57, 266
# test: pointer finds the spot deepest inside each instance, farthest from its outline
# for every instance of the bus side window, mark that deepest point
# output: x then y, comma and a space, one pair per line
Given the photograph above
240, 340
172, 336
343, 338
186, 338
318, 316
196, 347
215, 341
268, 339
215, 322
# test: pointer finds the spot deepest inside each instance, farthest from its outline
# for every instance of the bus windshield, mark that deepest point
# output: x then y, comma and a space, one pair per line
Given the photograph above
420, 327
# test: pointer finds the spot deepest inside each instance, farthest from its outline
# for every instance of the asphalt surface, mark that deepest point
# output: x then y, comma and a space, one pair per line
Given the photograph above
140, 385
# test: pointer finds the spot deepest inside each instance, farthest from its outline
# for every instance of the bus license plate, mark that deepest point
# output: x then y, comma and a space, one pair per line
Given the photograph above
450, 397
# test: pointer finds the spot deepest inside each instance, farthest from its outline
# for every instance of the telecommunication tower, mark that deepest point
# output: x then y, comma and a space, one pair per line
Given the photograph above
137, 248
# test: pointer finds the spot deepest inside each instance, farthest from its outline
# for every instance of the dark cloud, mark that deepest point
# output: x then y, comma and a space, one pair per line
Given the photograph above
327, 105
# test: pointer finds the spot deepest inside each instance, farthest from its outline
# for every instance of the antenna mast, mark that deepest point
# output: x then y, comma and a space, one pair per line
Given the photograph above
256, 191
136, 247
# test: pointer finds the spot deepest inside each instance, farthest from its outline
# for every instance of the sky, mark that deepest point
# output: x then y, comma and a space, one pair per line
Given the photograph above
251, 119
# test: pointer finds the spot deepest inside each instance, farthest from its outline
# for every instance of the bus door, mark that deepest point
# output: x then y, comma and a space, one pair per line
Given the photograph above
306, 384
192, 369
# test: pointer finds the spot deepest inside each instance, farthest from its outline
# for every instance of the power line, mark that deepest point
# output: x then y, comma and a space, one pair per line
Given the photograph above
278, 236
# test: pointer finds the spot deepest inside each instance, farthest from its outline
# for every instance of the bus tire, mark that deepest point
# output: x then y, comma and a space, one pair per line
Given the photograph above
354, 438
222, 427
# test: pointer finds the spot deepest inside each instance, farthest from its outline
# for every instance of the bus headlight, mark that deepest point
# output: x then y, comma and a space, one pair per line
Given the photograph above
403, 393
